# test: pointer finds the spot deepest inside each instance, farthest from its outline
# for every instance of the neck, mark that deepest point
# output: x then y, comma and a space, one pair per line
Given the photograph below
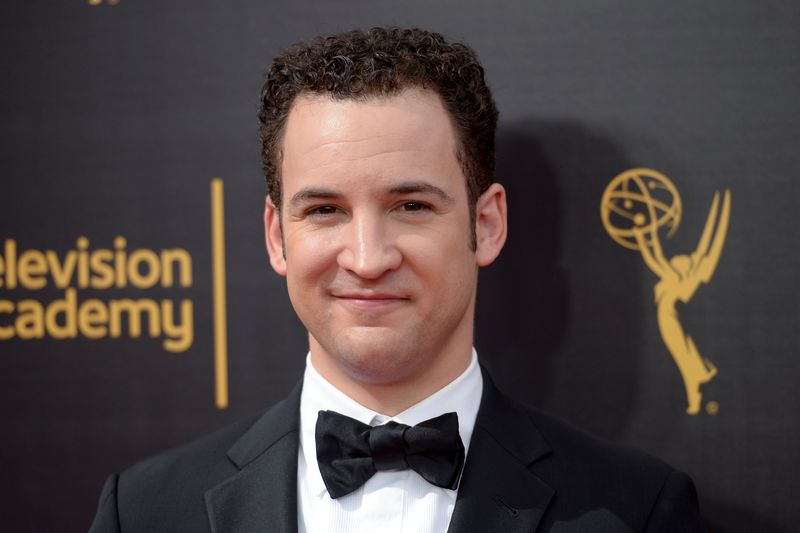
393, 396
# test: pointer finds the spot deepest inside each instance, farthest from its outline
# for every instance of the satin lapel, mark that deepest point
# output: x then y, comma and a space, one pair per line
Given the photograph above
262, 496
498, 493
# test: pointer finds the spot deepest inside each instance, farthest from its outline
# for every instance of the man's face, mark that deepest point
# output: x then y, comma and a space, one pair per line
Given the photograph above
374, 236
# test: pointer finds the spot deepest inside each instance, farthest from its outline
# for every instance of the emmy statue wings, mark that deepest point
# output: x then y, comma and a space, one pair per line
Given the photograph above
526, 471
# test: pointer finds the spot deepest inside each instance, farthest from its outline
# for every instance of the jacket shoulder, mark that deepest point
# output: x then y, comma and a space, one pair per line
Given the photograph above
602, 482
190, 461
591, 454
210, 459
166, 491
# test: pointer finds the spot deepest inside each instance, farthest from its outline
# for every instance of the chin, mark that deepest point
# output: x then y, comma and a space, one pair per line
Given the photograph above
375, 362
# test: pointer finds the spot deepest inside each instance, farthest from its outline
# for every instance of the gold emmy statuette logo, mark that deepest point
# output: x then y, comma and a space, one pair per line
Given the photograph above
637, 206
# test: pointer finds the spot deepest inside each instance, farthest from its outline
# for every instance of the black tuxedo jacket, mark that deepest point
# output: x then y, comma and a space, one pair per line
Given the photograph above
525, 472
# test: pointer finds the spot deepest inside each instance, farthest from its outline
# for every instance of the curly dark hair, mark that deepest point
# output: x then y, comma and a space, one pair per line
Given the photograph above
381, 62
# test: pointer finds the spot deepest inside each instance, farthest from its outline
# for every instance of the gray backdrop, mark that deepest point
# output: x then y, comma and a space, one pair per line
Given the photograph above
115, 117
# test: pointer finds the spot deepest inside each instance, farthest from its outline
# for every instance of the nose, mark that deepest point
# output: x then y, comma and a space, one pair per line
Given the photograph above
368, 248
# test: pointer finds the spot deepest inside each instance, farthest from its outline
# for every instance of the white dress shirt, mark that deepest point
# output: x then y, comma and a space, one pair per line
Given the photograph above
389, 502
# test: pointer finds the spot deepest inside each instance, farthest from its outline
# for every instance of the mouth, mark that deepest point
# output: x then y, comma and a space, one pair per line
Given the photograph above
370, 300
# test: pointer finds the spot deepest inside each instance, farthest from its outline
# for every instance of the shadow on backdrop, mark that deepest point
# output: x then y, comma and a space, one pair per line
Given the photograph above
545, 340
732, 518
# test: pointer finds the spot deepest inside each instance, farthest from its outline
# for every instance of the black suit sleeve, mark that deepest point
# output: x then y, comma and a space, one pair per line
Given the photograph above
107, 518
676, 508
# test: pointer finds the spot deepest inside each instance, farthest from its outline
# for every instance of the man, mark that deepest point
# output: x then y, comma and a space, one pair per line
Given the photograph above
379, 154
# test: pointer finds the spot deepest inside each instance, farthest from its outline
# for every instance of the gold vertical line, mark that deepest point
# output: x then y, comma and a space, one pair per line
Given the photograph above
219, 303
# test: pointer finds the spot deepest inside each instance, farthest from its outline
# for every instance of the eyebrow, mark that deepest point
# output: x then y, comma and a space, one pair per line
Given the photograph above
411, 187
313, 193
423, 187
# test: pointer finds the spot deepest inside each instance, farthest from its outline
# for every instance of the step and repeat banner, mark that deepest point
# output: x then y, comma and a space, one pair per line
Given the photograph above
647, 291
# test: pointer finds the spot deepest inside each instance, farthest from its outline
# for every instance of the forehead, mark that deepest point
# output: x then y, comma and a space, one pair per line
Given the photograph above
408, 135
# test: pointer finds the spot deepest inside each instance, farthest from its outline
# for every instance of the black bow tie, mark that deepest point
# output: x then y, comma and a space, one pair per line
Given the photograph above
349, 452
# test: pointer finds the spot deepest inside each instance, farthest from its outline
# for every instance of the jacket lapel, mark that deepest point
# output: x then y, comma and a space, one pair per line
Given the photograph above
263, 494
498, 493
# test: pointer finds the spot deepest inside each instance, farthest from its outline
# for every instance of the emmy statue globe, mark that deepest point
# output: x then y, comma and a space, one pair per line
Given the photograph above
637, 206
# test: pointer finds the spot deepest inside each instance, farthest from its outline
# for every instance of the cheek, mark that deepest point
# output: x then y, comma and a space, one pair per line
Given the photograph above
444, 258
308, 258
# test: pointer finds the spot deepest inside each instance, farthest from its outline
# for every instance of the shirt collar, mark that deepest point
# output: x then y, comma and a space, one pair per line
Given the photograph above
462, 396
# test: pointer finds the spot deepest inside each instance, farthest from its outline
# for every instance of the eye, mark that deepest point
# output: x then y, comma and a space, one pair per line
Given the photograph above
413, 207
322, 210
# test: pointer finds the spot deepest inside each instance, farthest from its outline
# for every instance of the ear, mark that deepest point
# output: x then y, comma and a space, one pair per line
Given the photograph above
273, 236
491, 224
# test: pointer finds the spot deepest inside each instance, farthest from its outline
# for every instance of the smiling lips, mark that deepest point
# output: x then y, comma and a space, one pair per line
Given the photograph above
370, 301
